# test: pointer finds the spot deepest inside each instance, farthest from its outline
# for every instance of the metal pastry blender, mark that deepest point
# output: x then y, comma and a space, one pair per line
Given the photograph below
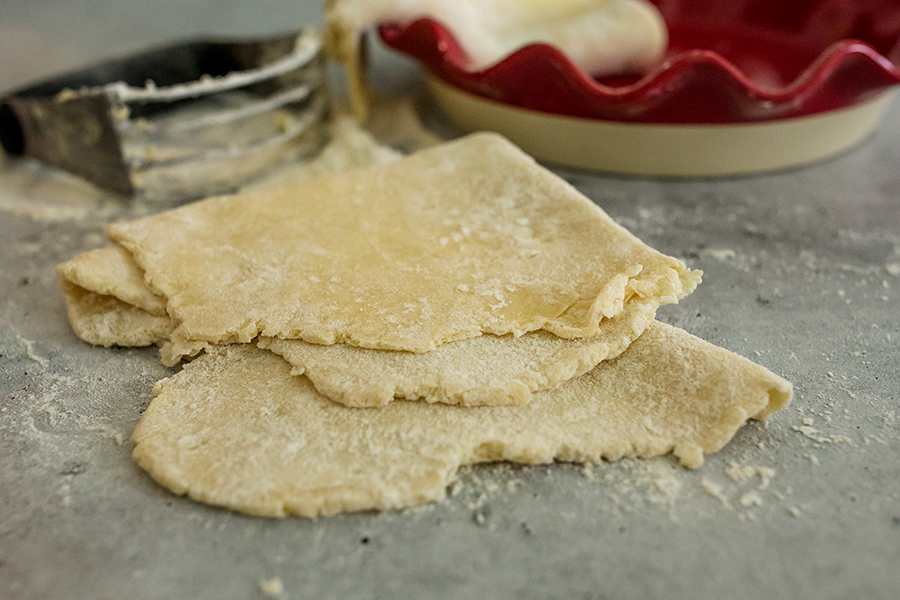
178, 122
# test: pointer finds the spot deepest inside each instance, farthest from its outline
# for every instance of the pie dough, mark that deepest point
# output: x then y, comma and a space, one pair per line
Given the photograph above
111, 271
467, 238
235, 429
602, 37
483, 371
104, 320
108, 302
487, 370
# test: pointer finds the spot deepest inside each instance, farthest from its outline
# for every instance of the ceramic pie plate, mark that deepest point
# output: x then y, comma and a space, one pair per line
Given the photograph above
665, 150
746, 86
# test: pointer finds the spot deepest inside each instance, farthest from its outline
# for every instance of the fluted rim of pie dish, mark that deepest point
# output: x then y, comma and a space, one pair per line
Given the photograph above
695, 86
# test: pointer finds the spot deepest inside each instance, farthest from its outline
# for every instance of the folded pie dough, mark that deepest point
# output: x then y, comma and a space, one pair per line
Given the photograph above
111, 271
482, 371
235, 429
486, 370
104, 320
467, 238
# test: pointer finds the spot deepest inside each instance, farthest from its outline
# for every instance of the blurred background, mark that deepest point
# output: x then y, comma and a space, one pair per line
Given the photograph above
43, 37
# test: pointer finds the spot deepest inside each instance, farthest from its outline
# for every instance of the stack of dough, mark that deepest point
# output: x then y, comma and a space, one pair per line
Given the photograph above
356, 338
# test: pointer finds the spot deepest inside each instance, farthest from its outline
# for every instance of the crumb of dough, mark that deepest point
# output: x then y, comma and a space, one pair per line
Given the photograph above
766, 475
738, 472
751, 498
271, 587
715, 490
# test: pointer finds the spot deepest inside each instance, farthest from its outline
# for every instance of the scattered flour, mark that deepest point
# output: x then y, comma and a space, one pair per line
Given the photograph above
41, 193
108, 432
28, 346
814, 434
350, 147
715, 490
751, 498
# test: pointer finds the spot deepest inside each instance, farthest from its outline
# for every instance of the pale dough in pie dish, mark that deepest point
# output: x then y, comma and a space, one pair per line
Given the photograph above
602, 37
467, 238
236, 429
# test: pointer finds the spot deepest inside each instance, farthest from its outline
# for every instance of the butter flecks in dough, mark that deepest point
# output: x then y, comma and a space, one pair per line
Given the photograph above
483, 371
602, 37
466, 238
235, 429
104, 320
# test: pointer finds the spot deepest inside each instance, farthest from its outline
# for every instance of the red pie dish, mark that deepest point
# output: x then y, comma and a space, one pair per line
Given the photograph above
745, 86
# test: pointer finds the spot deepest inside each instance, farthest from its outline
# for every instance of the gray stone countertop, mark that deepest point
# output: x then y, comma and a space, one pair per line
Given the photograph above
802, 274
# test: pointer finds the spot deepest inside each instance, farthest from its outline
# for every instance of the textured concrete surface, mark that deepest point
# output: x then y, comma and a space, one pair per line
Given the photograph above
802, 275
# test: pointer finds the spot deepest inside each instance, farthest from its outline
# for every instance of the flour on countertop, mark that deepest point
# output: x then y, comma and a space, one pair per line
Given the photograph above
28, 346
42, 193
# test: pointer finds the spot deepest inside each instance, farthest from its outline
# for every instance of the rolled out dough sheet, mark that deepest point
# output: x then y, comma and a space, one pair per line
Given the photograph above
108, 302
236, 429
487, 370
484, 371
466, 238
